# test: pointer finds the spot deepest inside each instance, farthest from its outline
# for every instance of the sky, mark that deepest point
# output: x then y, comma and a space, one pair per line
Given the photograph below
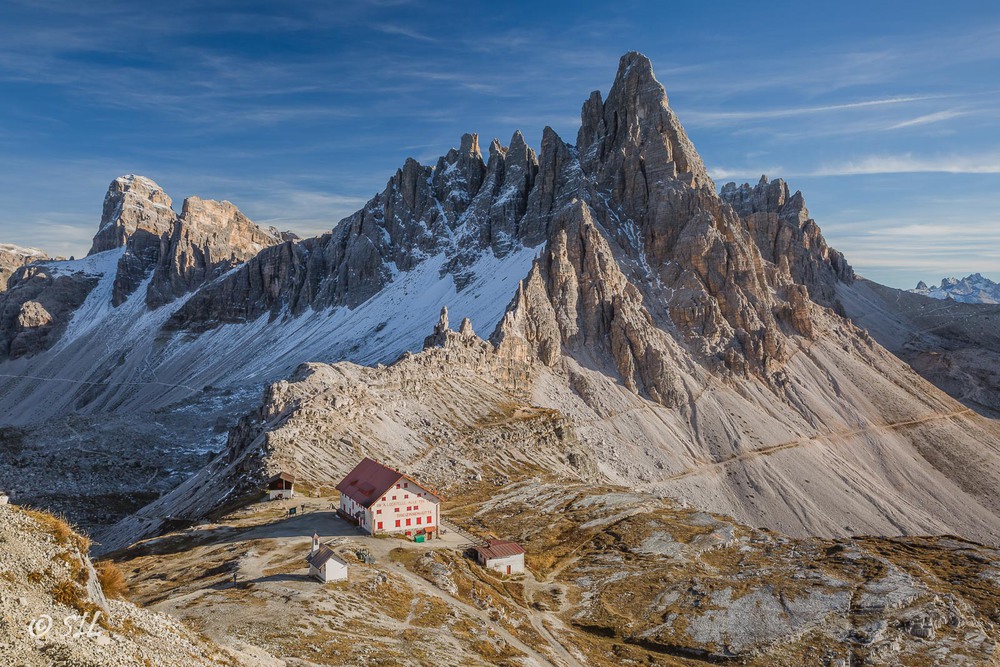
884, 114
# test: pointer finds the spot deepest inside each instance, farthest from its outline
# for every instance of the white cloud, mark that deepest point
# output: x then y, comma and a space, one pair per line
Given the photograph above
724, 117
391, 29
926, 119
908, 164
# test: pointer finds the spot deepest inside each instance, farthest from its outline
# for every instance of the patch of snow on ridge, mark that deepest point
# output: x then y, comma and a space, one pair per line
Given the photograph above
395, 320
121, 359
22, 250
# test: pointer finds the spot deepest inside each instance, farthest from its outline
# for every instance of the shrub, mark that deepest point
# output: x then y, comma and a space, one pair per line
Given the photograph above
112, 580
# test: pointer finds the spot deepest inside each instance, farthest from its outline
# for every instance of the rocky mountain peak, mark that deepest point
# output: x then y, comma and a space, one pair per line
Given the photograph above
974, 288
209, 238
788, 237
635, 128
132, 203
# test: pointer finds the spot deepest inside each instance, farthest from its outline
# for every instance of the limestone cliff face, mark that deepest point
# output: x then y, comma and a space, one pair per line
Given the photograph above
788, 238
461, 207
181, 252
175, 254
642, 263
208, 239
132, 204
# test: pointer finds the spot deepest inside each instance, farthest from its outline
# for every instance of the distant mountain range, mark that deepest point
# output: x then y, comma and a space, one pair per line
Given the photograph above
972, 289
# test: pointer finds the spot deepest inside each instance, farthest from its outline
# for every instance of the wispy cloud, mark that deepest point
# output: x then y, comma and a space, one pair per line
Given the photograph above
926, 119
910, 164
404, 31
727, 117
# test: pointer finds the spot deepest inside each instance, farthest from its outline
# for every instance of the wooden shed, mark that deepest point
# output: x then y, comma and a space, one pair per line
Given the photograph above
281, 486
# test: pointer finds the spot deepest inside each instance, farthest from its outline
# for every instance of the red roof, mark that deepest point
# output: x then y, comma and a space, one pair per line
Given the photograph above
370, 480
499, 549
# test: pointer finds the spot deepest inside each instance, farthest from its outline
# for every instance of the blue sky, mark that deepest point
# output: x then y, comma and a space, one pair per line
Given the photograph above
885, 116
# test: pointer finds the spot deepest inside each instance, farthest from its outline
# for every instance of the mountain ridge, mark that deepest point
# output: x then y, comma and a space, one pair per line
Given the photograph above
974, 288
622, 292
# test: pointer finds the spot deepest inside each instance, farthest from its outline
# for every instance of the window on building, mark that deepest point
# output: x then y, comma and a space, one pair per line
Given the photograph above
394, 497
406, 485
405, 496
378, 511
418, 520
430, 520
383, 497
397, 523
380, 525
407, 522
397, 486
397, 509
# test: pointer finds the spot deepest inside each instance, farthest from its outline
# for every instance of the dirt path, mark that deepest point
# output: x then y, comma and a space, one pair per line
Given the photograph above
428, 588
538, 617
766, 451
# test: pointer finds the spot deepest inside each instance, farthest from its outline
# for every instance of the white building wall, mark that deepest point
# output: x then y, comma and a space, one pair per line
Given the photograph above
516, 564
332, 570
409, 502
273, 494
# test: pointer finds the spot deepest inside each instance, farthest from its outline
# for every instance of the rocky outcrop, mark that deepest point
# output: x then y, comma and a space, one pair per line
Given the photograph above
635, 139
459, 208
13, 257
181, 252
55, 610
578, 301
37, 307
132, 204
208, 239
788, 238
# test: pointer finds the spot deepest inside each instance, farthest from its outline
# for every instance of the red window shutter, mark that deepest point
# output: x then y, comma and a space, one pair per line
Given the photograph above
418, 520
380, 525
406, 485
407, 522
397, 523
394, 497
430, 520
406, 496
397, 509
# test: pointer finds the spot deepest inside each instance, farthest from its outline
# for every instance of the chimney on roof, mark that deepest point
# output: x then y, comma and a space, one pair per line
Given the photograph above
315, 544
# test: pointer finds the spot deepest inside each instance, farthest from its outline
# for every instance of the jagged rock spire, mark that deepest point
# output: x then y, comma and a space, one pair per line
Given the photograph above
441, 331
635, 131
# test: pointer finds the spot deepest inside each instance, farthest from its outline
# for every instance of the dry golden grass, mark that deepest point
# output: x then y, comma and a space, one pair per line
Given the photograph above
112, 580
60, 530
78, 570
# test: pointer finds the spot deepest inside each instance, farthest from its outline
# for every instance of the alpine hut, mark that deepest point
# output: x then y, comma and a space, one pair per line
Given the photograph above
380, 499
281, 486
502, 556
